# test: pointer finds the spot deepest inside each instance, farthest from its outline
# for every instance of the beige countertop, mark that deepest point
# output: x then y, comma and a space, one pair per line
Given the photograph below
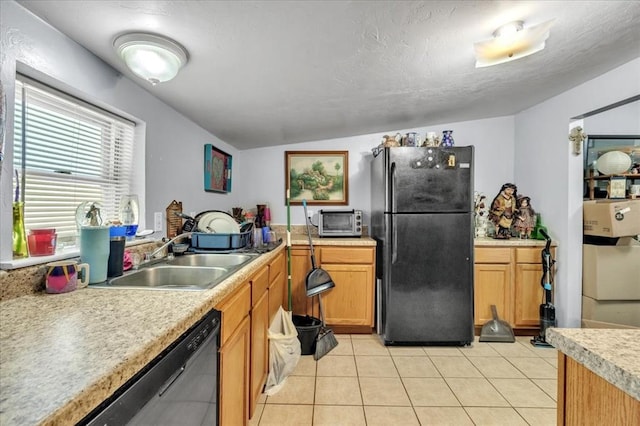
613, 354
62, 355
512, 242
302, 239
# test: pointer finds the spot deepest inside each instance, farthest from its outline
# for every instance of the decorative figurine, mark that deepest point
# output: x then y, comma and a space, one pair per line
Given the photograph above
481, 215
525, 219
577, 137
503, 208
447, 138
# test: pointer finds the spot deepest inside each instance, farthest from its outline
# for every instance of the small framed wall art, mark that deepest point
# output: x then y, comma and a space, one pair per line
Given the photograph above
320, 177
217, 169
618, 187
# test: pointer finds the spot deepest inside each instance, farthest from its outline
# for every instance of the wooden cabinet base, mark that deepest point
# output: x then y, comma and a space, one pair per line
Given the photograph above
584, 398
352, 329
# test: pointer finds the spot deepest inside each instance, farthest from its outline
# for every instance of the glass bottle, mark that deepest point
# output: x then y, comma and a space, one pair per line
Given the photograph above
19, 235
129, 213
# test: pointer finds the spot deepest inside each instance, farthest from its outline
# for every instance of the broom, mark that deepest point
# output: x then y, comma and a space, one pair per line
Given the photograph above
326, 340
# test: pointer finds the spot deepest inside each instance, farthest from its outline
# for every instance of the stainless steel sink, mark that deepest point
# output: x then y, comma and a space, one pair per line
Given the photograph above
213, 259
165, 277
188, 272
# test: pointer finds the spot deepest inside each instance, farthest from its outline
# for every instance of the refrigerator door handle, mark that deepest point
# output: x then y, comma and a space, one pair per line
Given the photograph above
392, 187
392, 225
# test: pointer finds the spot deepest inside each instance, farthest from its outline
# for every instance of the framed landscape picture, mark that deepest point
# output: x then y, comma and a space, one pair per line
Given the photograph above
217, 169
320, 177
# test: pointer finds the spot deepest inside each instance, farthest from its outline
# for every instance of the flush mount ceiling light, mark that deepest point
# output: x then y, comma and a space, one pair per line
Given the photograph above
152, 57
510, 42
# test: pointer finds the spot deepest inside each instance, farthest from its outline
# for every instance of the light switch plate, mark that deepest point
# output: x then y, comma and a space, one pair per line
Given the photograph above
157, 221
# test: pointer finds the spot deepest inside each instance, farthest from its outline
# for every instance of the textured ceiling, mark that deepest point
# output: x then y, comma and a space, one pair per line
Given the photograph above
265, 73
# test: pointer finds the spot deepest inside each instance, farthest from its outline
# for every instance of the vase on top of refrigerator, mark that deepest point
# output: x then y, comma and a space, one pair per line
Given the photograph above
422, 221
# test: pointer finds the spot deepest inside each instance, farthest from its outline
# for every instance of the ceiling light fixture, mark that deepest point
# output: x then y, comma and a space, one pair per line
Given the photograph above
510, 42
155, 58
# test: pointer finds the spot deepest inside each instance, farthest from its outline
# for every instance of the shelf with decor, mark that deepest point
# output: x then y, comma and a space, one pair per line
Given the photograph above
624, 177
612, 167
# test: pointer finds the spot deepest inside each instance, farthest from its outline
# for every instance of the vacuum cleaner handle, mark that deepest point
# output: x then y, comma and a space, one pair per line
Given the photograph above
546, 237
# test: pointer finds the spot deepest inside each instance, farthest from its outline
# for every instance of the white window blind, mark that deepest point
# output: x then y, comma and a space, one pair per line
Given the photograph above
68, 152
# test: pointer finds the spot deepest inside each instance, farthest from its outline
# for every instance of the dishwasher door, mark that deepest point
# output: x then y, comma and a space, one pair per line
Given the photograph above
180, 387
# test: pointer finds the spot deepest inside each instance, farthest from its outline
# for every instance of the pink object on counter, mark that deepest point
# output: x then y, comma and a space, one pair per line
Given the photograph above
127, 261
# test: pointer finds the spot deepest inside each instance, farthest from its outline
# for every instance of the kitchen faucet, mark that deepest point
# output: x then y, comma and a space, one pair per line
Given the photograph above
149, 256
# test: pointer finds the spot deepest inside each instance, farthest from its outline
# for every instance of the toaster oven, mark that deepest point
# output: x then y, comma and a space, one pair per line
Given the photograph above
340, 223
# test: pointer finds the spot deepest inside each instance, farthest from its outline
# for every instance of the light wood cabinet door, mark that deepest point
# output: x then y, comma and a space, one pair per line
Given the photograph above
350, 302
277, 285
528, 295
300, 267
259, 349
586, 399
234, 377
492, 287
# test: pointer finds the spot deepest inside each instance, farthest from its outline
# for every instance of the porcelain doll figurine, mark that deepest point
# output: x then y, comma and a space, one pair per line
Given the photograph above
525, 219
481, 215
503, 209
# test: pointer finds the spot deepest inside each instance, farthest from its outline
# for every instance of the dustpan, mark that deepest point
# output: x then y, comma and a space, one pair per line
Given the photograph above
497, 330
318, 280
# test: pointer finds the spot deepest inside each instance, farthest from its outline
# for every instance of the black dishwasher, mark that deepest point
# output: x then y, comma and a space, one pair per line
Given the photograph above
179, 387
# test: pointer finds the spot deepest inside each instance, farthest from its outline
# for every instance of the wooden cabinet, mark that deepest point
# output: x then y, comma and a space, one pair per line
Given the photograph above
234, 357
259, 339
300, 267
492, 288
584, 398
508, 277
278, 285
244, 350
350, 302
349, 305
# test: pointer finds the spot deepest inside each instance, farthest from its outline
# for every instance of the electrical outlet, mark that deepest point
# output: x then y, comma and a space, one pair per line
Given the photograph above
311, 212
157, 221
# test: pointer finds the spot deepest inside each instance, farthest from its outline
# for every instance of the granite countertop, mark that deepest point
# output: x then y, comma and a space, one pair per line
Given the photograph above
512, 242
64, 354
303, 239
612, 354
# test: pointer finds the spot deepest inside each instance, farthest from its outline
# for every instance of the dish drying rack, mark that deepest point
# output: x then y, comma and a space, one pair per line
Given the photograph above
206, 241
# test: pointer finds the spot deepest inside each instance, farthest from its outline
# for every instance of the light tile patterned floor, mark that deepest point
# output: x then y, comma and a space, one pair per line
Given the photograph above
362, 382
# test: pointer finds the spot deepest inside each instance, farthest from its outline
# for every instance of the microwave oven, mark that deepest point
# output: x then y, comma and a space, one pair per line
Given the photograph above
340, 223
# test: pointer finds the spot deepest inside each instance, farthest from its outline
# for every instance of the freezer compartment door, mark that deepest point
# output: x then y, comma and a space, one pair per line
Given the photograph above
427, 288
430, 179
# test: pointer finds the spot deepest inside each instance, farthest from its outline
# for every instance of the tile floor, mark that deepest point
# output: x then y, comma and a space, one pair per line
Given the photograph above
362, 382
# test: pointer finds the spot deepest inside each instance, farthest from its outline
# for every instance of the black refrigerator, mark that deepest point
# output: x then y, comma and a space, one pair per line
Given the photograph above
422, 220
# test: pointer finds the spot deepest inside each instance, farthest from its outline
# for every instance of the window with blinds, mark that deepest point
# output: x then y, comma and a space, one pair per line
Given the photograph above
68, 152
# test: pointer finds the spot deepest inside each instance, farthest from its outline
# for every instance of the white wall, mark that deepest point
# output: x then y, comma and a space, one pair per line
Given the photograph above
622, 120
545, 165
174, 144
261, 174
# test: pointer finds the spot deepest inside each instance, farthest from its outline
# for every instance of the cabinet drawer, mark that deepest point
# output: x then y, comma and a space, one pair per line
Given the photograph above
492, 255
530, 254
259, 284
346, 255
234, 310
276, 268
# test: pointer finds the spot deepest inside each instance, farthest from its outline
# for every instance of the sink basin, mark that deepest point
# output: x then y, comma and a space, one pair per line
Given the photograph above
213, 259
167, 277
188, 272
